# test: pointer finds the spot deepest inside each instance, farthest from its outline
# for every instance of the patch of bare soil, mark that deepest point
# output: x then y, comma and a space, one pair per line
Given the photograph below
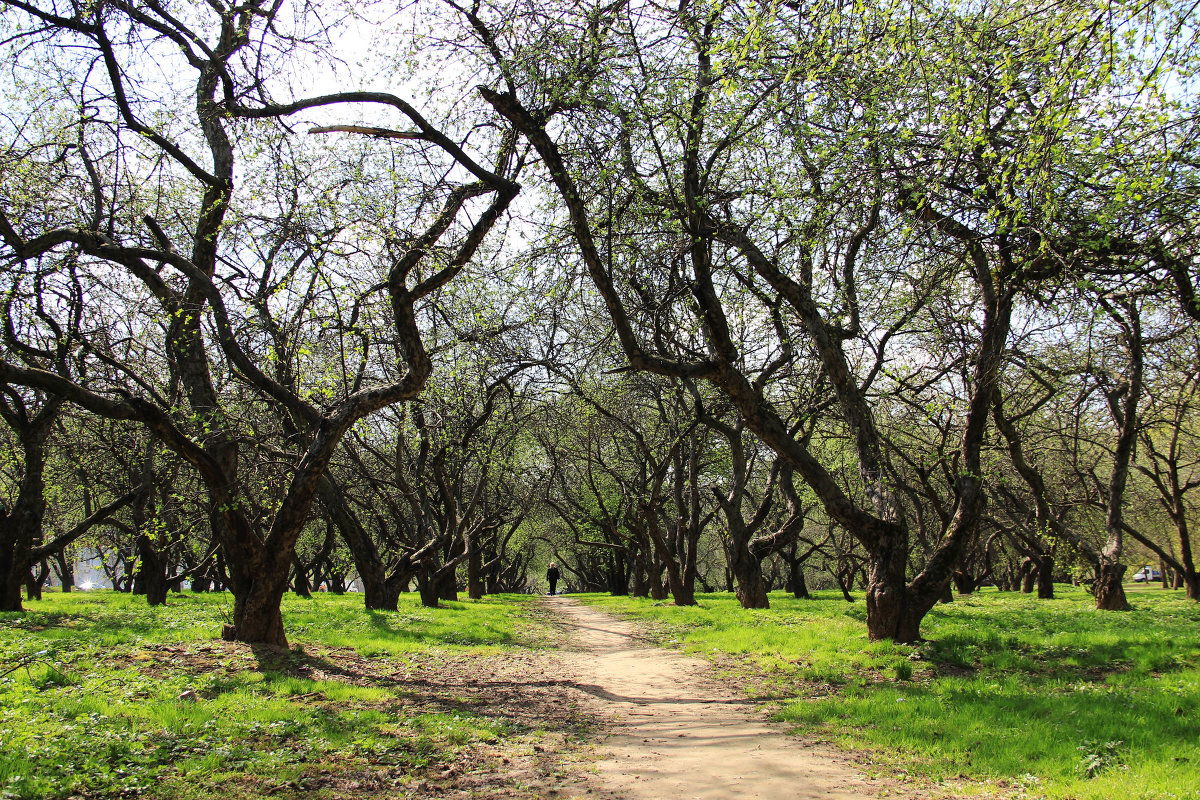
527, 689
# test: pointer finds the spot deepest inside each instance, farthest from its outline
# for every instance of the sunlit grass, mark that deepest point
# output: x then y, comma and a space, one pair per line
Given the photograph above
1041, 698
107, 697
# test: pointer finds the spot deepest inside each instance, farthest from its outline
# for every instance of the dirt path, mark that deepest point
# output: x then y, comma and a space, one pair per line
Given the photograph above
674, 732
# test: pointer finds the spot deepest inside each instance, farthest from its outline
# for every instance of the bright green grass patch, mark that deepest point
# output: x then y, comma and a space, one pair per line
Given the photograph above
1046, 698
104, 696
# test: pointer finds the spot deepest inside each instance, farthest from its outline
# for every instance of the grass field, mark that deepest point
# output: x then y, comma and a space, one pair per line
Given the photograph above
1033, 698
102, 696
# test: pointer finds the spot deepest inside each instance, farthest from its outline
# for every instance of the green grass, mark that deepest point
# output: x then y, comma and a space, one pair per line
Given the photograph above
1033, 698
94, 701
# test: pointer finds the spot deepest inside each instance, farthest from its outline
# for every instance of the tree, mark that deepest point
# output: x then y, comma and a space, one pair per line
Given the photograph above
136, 237
926, 149
1170, 456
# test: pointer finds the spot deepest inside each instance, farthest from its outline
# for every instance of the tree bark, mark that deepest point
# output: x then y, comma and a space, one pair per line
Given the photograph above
1045, 577
66, 571
747, 574
1028, 576
300, 583
799, 584
428, 587
21, 527
887, 589
447, 586
1110, 592
474, 574
257, 617
151, 577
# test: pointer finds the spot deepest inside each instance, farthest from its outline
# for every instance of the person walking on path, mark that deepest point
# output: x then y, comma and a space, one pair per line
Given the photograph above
552, 577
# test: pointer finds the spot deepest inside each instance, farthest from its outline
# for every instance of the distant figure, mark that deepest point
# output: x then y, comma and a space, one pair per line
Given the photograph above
552, 577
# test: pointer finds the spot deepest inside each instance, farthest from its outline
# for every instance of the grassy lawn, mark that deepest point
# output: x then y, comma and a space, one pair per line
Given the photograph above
102, 696
1034, 698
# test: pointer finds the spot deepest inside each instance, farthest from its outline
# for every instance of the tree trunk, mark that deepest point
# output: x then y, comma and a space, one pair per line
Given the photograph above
963, 583
947, 593
65, 570
385, 597
475, 574
156, 590
377, 595
1045, 577
258, 590
887, 593
641, 581
301, 585
843, 584
18, 531
151, 577
1028, 576
618, 577
427, 586
447, 586
799, 584
747, 572
35, 582
1110, 593
257, 617
683, 593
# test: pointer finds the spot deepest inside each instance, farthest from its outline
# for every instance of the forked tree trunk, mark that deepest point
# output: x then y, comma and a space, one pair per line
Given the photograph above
683, 593
258, 587
36, 582
385, 597
747, 573
377, 594
257, 616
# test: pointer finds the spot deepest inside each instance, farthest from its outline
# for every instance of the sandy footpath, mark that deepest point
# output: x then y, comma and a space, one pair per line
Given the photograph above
674, 733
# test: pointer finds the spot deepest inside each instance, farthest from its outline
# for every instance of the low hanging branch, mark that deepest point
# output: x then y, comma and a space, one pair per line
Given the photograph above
100, 515
379, 133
